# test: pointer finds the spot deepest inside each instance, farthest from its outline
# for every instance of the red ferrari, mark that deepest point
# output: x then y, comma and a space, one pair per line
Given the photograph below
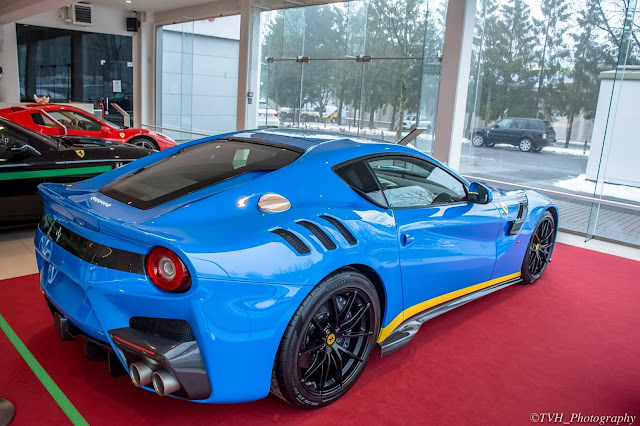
60, 119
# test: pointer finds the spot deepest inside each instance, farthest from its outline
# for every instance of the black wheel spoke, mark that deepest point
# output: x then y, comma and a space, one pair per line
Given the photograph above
347, 308
358, 334
335, 310
317, 362
337, 359
355, 319
311, 349
324, 376
319, 326
347, 352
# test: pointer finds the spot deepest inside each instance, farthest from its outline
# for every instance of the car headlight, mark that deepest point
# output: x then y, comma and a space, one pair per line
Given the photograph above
544, 136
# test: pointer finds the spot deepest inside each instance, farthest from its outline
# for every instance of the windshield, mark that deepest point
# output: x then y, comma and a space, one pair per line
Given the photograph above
194, 168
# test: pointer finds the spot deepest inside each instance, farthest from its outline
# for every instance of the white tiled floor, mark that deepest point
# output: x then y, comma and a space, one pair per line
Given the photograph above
17, 253
17, 256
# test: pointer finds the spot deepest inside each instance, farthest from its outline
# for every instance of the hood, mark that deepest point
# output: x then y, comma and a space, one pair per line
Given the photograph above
480, 129
84, 141
104, 150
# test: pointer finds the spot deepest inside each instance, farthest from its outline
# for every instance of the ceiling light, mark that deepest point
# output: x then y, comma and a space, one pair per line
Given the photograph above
127, 1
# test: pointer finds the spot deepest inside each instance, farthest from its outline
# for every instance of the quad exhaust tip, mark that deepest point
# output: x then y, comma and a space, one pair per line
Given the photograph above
164, 383
140, 374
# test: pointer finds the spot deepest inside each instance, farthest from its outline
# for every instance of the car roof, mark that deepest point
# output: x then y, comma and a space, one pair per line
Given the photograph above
522, 118
301, 139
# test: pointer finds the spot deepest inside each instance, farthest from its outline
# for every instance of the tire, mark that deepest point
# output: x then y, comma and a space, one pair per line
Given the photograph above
539, 250
313, 342
477, 140
525, 145
145, 143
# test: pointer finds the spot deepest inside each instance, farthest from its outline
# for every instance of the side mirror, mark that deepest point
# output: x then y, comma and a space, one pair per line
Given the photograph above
106, 130
479, 193
495, 126
25, 149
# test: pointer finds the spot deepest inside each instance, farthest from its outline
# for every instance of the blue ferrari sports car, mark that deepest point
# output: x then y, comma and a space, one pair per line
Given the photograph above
275, 261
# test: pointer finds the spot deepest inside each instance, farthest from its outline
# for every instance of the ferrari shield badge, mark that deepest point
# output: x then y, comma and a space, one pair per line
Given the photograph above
80, 153
505, 208
121, 134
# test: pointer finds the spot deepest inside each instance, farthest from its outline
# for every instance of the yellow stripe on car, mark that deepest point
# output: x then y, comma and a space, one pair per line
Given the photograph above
423, 306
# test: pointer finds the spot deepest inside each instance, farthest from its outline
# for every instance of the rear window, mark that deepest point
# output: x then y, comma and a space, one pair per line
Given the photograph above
197, 167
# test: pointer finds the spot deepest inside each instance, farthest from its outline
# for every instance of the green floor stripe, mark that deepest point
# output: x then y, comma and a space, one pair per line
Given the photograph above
64, 403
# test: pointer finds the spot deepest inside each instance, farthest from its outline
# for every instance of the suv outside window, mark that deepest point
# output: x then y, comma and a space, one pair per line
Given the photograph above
529, 134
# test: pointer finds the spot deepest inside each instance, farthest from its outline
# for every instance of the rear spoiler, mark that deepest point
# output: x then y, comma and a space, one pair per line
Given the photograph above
411, 136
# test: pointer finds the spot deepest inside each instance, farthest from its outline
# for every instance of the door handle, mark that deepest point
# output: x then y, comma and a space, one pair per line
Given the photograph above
407, 239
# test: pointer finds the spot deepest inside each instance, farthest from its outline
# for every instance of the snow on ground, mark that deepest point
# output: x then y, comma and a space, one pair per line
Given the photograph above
390, 135
581, 184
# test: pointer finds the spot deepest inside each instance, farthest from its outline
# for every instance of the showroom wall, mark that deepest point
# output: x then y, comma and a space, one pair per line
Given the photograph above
199, 76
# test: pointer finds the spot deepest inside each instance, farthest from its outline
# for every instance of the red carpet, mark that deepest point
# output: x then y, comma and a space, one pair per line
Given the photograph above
567, 344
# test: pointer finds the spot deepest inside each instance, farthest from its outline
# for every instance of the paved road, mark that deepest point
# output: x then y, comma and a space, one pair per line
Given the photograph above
509, 164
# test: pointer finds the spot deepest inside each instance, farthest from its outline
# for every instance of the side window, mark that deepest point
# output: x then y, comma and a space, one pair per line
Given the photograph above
75, 121
505, 123
410, 182
43, 120
358, 176
518, 124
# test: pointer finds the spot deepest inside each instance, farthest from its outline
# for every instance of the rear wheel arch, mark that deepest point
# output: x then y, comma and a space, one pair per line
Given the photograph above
377, 282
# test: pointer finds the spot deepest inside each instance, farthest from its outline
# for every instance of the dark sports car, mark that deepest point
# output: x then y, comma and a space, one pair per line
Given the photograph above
28, 158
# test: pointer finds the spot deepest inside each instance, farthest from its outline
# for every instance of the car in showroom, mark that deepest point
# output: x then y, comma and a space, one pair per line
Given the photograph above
211, 277
267, 116
410, 122
29, 158
528, 134
61, 120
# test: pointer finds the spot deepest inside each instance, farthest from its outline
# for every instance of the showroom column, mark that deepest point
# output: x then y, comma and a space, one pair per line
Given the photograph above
248, 66
9, 82
144, 72
454, 81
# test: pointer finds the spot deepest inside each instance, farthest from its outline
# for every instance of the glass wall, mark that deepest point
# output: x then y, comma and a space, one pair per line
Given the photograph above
67, 65
366, 68
553, 104
198, 77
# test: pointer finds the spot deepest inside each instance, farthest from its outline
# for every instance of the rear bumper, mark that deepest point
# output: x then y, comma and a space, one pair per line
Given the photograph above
236, 326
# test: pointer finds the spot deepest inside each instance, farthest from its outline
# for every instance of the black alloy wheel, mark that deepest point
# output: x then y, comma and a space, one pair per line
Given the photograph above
538, 252
328, 342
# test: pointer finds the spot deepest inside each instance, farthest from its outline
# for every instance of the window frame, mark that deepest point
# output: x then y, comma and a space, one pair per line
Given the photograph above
370, 157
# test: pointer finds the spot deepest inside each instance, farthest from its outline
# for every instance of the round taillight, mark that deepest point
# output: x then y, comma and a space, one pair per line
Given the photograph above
166, 270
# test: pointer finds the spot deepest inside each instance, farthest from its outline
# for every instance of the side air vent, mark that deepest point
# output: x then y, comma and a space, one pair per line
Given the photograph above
522, 213
293, 240
173, 329
341, 228
326, 240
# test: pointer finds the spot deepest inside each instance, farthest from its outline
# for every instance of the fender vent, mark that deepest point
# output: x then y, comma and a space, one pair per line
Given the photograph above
522, 213
173, 329
341, 228
326, 241
293, 240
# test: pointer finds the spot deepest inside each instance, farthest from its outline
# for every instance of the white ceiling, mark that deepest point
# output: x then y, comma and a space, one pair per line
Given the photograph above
148, 5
